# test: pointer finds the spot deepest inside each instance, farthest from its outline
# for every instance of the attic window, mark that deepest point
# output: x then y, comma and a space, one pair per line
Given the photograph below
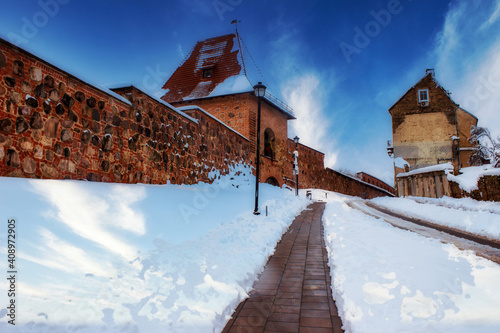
207, 72
423, 96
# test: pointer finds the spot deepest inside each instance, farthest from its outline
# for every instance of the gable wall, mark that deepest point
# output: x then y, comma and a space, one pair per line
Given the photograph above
422, 134
465, 122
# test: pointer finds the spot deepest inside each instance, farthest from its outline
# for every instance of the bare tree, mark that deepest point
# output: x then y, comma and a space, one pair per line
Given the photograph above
488, 148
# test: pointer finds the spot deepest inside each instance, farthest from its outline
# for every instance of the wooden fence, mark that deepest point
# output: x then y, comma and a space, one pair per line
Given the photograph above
435, 184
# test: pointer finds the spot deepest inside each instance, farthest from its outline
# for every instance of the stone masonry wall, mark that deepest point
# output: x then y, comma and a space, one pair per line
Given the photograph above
375, 181
435, 184
338, 182
311, 165
54, 125
233, 110
239, 111
488, 189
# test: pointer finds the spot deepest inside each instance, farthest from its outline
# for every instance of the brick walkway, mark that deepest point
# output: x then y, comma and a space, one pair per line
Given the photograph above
293, 293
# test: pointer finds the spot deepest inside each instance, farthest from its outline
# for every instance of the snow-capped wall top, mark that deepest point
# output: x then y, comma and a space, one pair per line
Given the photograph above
432, 168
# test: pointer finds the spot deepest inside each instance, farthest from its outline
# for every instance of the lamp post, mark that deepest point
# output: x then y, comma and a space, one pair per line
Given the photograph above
455, 147
296, 164
390, 152
259, 90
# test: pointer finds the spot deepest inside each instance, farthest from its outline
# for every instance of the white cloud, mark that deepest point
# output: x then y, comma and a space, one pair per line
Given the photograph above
468, 59
448, 40
305, 95
306, 91
89, 215
480, 91
494, 17
181, 53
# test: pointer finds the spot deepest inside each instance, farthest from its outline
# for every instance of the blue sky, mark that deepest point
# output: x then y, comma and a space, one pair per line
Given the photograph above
339, 64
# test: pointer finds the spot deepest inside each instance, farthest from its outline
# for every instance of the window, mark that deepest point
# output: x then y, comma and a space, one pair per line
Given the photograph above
207, 72
423, 96
269, 143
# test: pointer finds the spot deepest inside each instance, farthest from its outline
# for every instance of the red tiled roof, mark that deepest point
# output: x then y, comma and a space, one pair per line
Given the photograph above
216, 53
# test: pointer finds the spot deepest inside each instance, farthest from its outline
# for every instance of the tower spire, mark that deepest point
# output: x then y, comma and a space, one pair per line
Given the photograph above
236, 22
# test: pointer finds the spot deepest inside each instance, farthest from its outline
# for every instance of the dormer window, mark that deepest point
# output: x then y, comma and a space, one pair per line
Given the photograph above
423, 96
207, 72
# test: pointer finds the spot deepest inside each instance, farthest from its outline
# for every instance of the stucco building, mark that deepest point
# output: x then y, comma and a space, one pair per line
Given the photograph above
429, 128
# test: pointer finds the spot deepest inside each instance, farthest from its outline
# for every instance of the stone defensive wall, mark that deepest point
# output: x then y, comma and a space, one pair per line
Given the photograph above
339, 182
55, 125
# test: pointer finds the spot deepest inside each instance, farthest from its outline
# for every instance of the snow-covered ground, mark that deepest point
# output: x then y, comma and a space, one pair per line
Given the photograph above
390, 280
96, 257
469, 176
482, 218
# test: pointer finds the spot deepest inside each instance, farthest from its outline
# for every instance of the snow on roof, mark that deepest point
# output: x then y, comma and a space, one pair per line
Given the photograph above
233, 84
432, 168
223, 56
191, 107
209, 53
220, 54
200, 90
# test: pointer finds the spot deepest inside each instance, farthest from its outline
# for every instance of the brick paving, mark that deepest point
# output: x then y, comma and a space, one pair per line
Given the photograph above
293, 294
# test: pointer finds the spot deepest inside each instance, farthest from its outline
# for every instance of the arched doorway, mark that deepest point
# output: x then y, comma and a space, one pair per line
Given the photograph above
269, 143
272, 181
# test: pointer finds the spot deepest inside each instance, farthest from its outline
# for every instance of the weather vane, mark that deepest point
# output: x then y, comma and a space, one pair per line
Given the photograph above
236, 22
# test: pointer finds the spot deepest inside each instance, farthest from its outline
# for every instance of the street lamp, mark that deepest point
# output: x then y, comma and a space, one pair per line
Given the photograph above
259, 90
390, 152
455, 148
296, 164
